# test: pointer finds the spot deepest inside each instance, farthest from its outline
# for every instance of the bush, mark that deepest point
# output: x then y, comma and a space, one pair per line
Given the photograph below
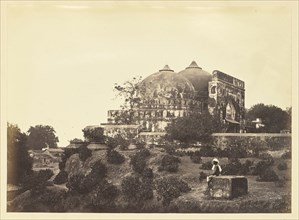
260, 167
169, 188
202, 176
232, 168
68, 152
287, 155
148, 173
115, 157
84, 184
140, 144
135, 190
282, 166
37, 179
207, 151
84, 152
206, 166
138, 163
61, 178
195, 157
169, 163
138, 160
104, 196
268, 175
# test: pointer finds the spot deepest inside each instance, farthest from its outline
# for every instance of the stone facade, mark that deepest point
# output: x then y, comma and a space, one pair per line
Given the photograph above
168, 95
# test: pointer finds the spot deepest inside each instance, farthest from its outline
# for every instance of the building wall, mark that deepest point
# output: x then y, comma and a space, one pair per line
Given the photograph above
227, 98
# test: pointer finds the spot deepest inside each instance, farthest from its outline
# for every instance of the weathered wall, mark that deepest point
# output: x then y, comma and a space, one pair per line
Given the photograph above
267, 141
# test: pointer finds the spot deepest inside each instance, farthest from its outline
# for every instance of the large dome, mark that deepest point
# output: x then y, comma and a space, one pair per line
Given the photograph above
168, 84
197, 76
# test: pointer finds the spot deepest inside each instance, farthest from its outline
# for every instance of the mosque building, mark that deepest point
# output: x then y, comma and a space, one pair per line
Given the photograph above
167, 95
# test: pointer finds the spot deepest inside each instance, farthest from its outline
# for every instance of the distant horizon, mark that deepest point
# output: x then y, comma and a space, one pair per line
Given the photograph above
62, 59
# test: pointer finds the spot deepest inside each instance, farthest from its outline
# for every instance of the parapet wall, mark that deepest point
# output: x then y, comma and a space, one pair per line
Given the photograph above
267, 141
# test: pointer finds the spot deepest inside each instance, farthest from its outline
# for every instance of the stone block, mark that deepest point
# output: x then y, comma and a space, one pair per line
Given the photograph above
228, 187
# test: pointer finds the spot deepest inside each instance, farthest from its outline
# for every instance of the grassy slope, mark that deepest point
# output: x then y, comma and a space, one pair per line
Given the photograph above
262, 197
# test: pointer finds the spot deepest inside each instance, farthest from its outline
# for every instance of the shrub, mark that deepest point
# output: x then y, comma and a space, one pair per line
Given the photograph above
268, 175
104, 196
148, 173
37, 179
169, 163
68, 152
84, 152
232, 168
281, 182
115, 157
138, 163
282, 166
195, 157
169, 188
287, 155
140, 144
202, 176
207, 151
84, 184
143, 153
138, 160
112, 142
61, 177
136, 190
260, 167
130, 187
206, 166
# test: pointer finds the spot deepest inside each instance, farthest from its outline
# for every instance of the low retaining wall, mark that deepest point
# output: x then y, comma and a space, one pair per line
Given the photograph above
266, 141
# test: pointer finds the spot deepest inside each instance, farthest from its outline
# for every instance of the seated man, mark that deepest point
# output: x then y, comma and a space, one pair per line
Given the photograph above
216, 170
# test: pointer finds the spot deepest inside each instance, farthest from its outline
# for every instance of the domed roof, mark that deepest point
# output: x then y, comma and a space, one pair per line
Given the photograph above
197, 76
167, 83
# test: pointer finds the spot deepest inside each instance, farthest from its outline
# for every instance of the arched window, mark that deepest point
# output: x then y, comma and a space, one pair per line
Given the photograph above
213, 89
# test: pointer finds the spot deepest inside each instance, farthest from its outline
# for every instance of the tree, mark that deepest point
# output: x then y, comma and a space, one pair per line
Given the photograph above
95, 134
41, 136
19, 163
131, 91
274, 118
193, 127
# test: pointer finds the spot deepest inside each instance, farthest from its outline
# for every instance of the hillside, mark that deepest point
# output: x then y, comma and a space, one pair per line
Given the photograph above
108, 194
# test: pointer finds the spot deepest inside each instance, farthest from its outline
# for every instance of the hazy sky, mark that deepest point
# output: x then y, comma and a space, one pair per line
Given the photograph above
62, 59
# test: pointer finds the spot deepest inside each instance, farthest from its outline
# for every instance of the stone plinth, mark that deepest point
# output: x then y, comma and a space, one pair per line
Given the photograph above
228, 187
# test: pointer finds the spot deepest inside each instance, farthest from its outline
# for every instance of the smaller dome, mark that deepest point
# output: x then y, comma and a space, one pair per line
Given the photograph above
167, 83
197, 76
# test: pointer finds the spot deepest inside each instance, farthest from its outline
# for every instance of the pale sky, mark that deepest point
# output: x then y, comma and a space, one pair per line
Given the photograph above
63, 58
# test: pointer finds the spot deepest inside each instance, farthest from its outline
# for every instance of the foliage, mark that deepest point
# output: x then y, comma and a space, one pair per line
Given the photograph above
84, 152
136, 190
235, 149
169, 163
193, 127
206, 166
66, 154
84, 184
274, 118
207, 151
132, 92
195, 157
267, 157
19, 163
115, 157
282, 166
118, 140
37, 179
287, 155
202, 176
94, 134
138, 163
76, 140
260, 167
268, 175
61, 178
169, 188
104, 196
41, 136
